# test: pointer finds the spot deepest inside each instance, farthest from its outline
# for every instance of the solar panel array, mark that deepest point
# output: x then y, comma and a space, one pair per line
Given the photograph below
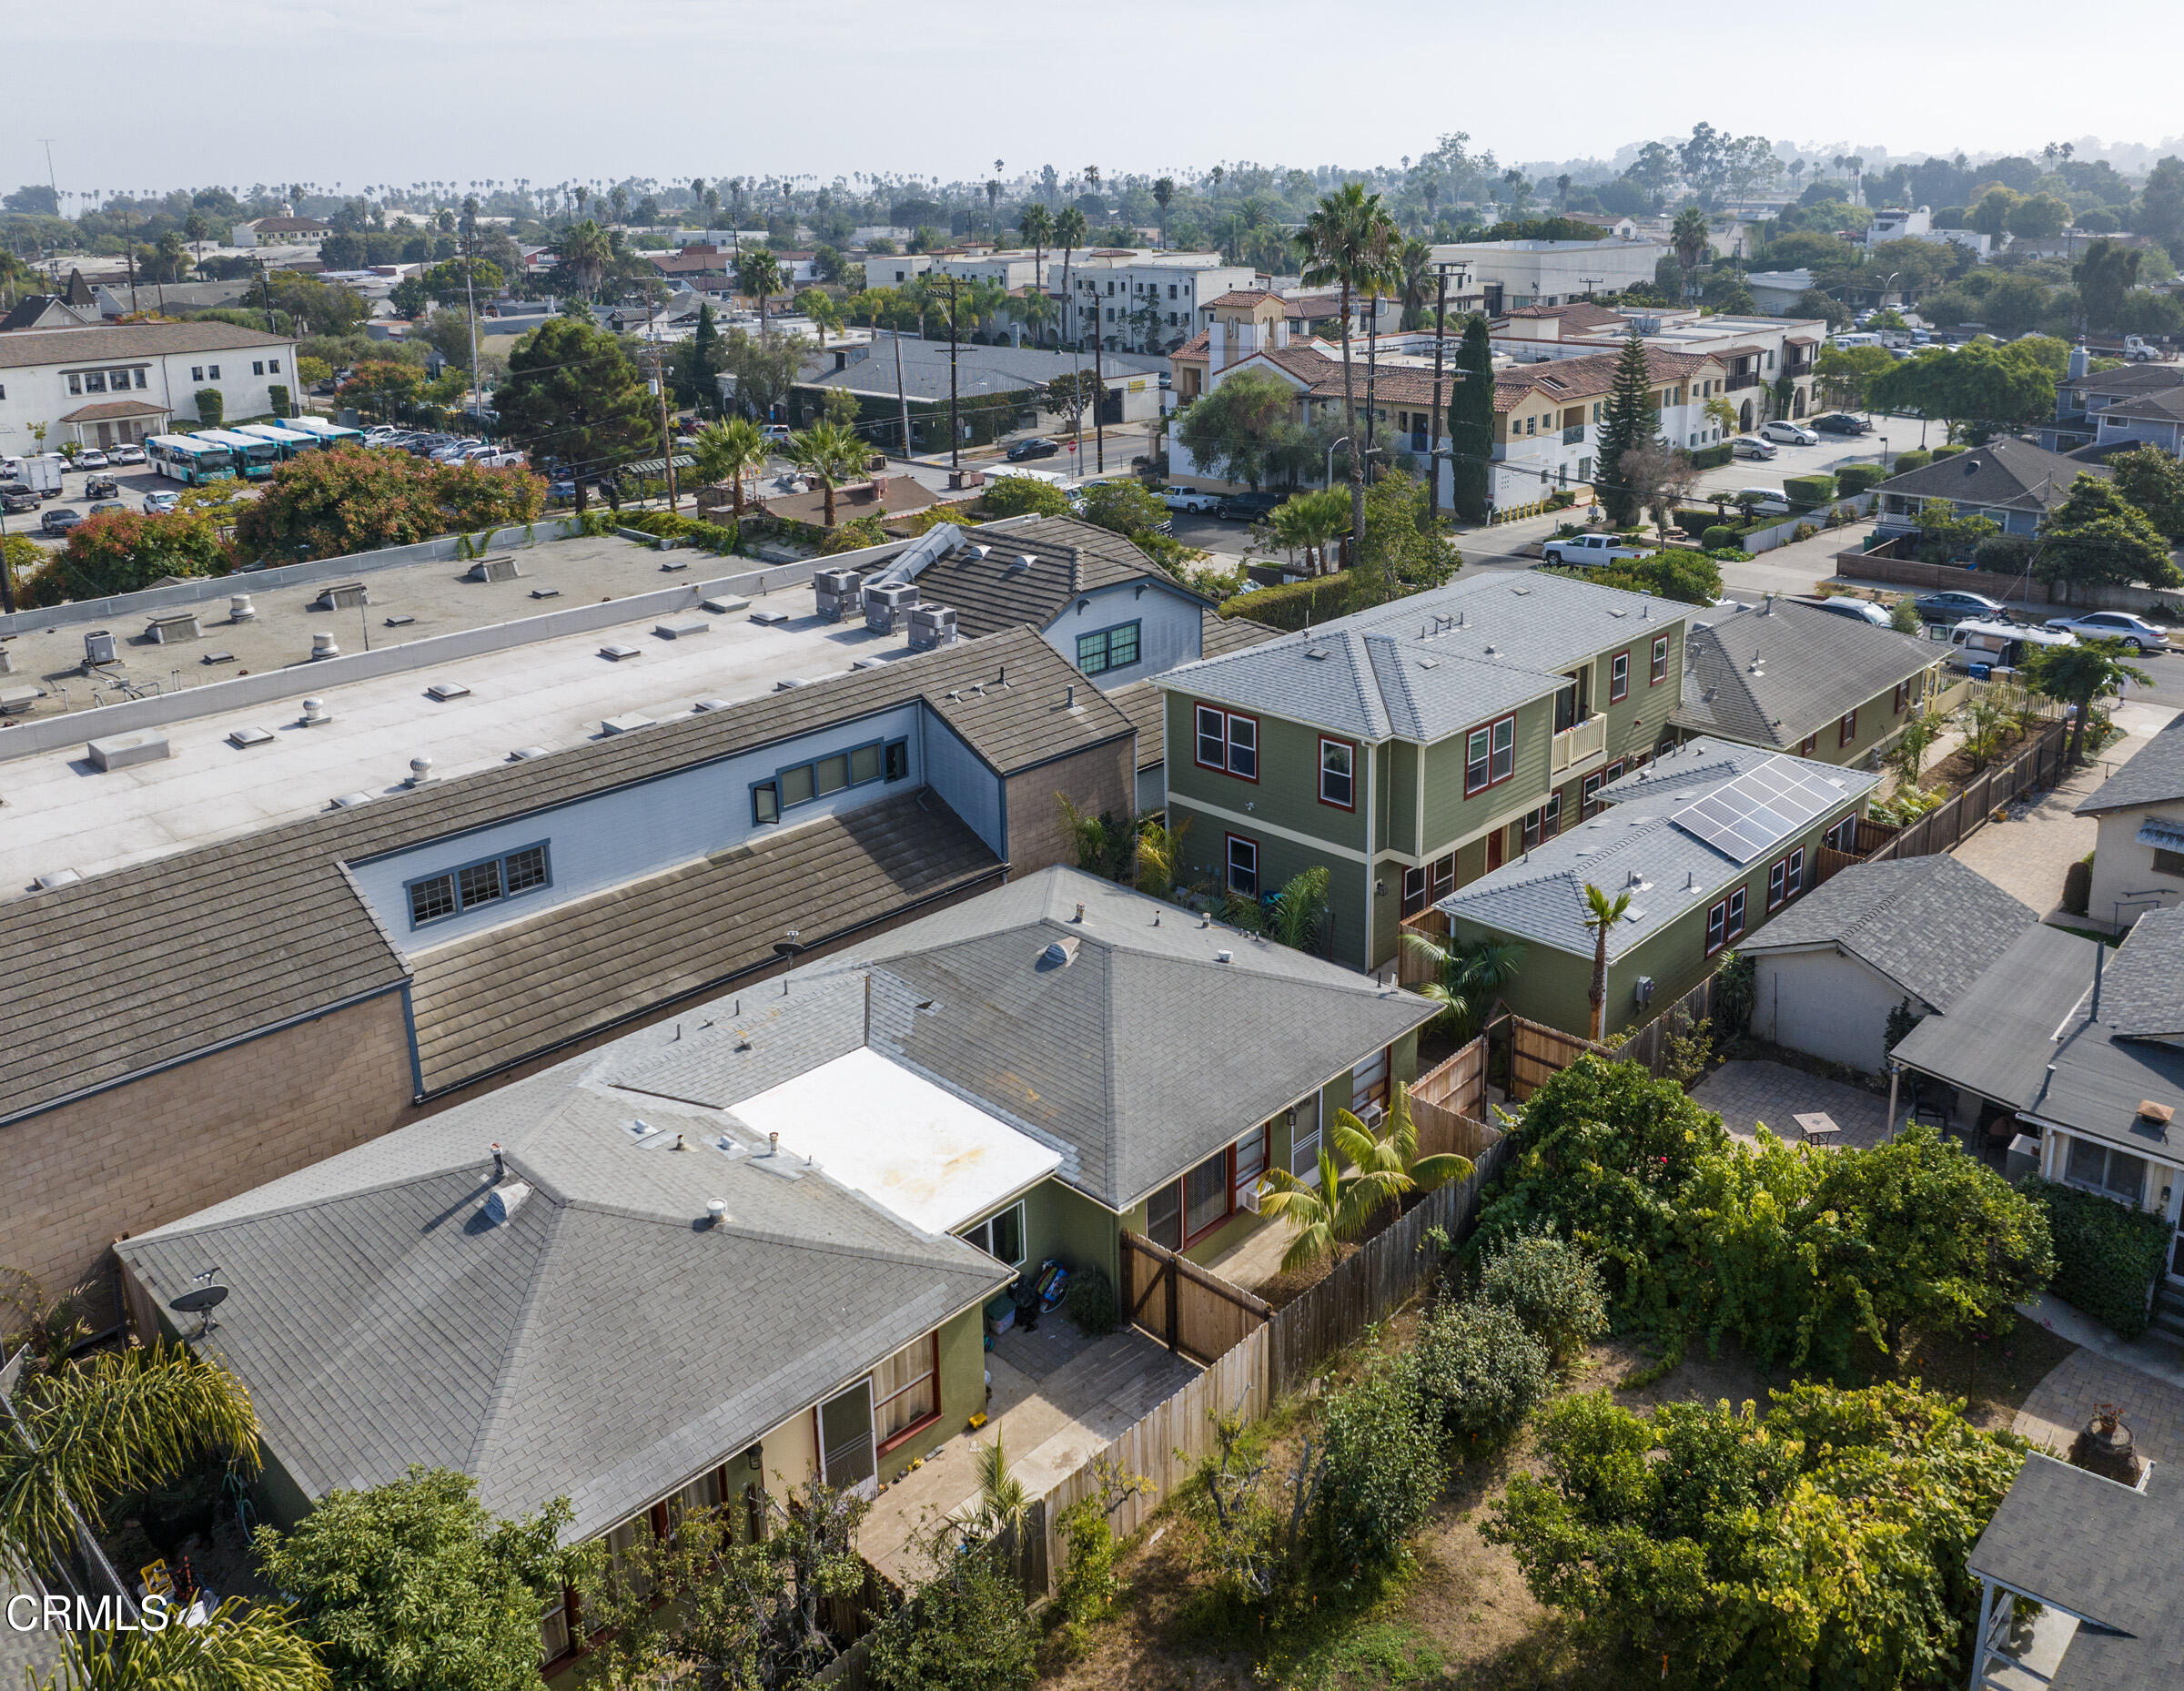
1760, 808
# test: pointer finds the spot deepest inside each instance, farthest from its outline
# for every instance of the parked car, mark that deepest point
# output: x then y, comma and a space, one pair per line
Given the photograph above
1750, 446
126, 455
107, 507
1190, 499
60, 520
1857, 609
560, 492
164, 501
2113, 625
90, 457
777, 434
1766, 501
1039, 446
1786, 433
16, 499
1842, 422
1953, 607
101, 487
1249, 507
1590, 549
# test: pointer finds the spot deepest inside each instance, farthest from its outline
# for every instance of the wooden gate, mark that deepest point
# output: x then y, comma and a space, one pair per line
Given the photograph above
1193, 1313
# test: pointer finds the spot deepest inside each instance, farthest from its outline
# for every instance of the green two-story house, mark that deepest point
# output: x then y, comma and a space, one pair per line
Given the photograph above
1414, 748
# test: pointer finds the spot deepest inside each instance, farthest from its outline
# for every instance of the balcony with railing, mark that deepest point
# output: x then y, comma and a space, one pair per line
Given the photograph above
1575, 744
1574, 435
1734, 382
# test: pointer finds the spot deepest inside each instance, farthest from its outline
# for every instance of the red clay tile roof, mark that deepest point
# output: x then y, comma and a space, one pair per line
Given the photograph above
1197, 347
1586, 378
1253, 296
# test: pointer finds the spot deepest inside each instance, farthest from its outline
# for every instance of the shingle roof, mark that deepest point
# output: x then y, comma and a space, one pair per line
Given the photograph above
990, 592
1999, 1035
2005, 475
2166, 406
1930, 925
1772, 677
2131, 378
2154, 775
1392, 672
2105, 1553
1634, 844
107, 411
1146, 706
158, 960
2142, 995
127, 340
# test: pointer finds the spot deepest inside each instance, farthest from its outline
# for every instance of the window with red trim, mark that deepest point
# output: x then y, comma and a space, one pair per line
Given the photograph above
905, 1391
1589, 799
1414, 890
1903, 696
1490, 755
1619, 678
1847, 729
1660, 672
1808, 745
1717, 917
1338, 773
1227, 741
1736, 914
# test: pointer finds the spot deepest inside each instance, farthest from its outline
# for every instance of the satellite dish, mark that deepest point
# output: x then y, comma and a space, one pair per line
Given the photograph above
199, 1300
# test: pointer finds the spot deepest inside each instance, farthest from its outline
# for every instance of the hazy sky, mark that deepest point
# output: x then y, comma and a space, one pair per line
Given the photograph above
402, 90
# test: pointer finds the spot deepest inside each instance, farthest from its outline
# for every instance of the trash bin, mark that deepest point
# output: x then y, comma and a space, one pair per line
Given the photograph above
1980, 672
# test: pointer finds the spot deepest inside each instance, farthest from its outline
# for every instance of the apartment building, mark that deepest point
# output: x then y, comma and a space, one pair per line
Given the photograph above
1144, 301
1539, 272
1547, 415
104, 386
1758, 355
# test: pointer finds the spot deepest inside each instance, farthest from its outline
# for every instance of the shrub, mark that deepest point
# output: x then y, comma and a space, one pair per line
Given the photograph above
721, 537
1908, 462
1477, 1372
1014, 496
1091, 1302
853, 536
1292, 606
1729, 554
1712, 457
1721, 538
211, 406
2107, 1257
1552, 1286
278, 396
1950, 450
1383, 1472
2007, 554
2078, 886
1808, 492
965, 1629
1857, 477
1805, 532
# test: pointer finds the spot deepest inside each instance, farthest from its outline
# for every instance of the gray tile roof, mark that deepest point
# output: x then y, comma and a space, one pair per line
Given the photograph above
1929, 924
1999, 1035
2153, 775
2007, 475
2165, 406
158, 960
2142, 993
979, 370
603, 1344
1773, 675
129, 340
991, 594
2105, 1553
1633, 845
1411, 669
2132, 379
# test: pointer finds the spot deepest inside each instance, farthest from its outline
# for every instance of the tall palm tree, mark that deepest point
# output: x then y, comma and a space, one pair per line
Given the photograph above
758, 273
730, 451
1602, 914
1036, 224
1348, 241
825, 312
1688, 237
1033, 307
1164, 191
1069, 234
1414, 266
831, 454
585, 253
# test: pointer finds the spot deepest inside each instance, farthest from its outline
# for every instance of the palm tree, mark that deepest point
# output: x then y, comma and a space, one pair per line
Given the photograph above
1033, 307
1069, 234
1414, 265
1469, 976
1602, 914
1688, 236
2079, 675
730, 451
992, 205
1326, 1216
585, 253
830, 454
825, 312
758, 273
1347, 241
1164, 190
1305, 522
1036, 224
1392, 1158
242, 1648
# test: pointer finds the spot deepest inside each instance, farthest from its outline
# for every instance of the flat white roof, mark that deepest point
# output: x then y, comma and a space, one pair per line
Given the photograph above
909, 1146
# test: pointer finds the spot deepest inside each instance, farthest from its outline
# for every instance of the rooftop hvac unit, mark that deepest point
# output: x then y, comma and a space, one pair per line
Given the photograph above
838, 593
343, 596
932, 625
99, 647
888, 605
166, 630
501, 569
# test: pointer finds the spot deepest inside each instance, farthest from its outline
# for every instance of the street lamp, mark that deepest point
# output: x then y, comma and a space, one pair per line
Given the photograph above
1327, 480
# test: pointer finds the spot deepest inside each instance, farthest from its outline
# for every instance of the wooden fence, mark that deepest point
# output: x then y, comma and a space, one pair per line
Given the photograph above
1410, 968
1457, 1084
2038, 766
1191, 1311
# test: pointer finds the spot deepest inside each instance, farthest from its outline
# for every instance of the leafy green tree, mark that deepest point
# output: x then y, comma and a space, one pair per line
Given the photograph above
2079, 675
830, 454
125, 551
2041, 217
415, 1586
2153, 481
1016, 496
1471, 424
1124, 506
730, 451
329, 504
211, 406
1384, 1471
964, 1627
1555, 1286
1822, 1545
1398, 549
1691, 240
572, 392
1687, 577
383, 387
1629, 421
1069, 234
2096, 537
765, 367
1237, 431
1990, 216
1348, 242
1479, 1369
2105, 276
2161, 203
698, 361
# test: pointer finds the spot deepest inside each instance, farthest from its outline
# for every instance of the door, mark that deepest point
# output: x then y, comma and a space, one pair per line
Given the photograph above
846, 1460
1496, 844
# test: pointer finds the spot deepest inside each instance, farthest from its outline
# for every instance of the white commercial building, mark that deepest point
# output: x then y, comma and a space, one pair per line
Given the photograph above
1521, 273
107, 385
1145, 301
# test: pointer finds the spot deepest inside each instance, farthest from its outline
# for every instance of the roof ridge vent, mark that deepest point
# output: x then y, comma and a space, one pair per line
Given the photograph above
502, 1202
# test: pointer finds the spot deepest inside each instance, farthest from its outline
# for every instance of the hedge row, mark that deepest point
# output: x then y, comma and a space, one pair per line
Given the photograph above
2107, 1257
1854, 479
1713, 457
1297, 605
1908, 462
1808, 492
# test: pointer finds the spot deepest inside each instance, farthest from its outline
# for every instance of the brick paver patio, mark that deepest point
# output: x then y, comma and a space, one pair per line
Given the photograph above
2061, 1405
1745, 1094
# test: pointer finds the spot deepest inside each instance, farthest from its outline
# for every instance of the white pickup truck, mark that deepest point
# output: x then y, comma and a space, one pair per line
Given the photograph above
1591, 549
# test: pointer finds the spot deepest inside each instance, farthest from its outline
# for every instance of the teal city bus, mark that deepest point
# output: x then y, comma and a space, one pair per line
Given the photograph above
254, 457
290, 442
331, 434
189, 459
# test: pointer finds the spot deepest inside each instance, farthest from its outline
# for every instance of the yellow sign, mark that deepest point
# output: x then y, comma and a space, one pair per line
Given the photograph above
1138, 386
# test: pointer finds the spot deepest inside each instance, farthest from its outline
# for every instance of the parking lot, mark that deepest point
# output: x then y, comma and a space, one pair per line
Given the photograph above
1891, 434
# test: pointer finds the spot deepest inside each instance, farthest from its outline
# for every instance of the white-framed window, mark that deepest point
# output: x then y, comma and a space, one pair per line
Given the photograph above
1490, 755
1304, 1138
1338, 776
1589, 798
1250, 1162
1660, 670
1619, 678
2102, 1168
435, 897
1000, 1236
1414, 890
1227, 741
1243, 865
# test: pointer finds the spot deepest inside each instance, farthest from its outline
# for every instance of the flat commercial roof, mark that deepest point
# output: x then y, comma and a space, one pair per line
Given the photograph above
920, 1151
62, 814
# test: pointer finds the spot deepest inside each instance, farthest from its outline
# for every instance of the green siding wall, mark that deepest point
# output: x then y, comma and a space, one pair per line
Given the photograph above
962, 1388
1287, 793
1450, 815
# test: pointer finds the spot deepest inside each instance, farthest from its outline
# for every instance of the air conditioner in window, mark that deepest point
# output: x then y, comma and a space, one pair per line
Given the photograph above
1372, 1115
1247, 1198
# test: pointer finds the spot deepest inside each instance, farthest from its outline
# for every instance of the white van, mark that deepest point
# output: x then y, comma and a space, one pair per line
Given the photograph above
1859, 340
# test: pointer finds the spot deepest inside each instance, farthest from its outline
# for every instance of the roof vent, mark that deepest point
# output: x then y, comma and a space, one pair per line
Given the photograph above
443, 691
59, 877
1018, 564
420, 771
1224, 956
716, 1212
1490, 651
504, 1201
240, 608
1316, 654
325, 646
1060, 954
314, 713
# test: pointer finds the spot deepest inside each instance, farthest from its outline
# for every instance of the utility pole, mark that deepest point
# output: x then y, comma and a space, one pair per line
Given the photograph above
901, 403
266, 283
1592, 282
1440, 338
954, 430
1100, 394
470, 296
128, 251
667, 440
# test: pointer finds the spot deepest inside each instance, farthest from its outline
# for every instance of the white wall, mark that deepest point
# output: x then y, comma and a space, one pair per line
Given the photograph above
38, 393
2122, 867
1171, 629
616, 837
1826, 1004
961, 777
